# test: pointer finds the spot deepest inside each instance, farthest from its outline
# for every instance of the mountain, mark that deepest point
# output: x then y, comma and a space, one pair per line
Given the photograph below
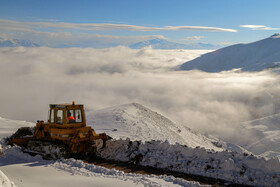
164, 44
256, 56
155, 43
137, 122
16, 43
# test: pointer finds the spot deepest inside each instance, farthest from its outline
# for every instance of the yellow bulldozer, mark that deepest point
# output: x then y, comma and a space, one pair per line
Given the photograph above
67, 126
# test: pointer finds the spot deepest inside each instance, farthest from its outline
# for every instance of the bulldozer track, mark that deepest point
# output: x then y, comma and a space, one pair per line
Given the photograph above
145, 170
122, 166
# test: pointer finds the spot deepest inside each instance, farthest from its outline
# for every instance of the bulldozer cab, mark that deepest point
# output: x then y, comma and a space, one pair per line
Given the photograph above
67, 115
66, 125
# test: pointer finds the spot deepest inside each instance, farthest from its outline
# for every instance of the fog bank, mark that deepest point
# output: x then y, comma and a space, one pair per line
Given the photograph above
32, 78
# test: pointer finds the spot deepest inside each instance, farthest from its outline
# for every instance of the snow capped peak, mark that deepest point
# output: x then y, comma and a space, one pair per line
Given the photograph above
16, 42
159, 43
276, 35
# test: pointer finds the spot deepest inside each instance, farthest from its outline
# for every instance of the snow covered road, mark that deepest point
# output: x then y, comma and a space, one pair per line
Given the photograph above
20, 169
25, 170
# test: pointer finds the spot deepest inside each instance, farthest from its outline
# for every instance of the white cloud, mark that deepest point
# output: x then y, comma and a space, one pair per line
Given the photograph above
50, 38
258, 27
104, 26
226, 43
193, 38
32, 78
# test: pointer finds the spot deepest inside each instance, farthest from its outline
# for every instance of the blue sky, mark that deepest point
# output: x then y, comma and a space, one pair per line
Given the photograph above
110, 22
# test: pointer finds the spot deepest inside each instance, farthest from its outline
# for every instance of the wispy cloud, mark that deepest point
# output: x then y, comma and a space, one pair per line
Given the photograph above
226, 43
193, 38
258, 27
60, 34
8, 24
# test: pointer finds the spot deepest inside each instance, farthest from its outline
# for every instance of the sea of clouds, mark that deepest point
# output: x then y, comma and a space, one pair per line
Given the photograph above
214, 103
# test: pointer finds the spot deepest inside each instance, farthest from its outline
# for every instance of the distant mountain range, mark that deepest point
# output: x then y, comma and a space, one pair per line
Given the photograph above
256, 56
16, 42
154, 43
164, 44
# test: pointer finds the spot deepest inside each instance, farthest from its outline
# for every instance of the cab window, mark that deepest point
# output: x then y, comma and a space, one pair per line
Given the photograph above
78, 116
71, 116
52, 116
74, 116
59, 117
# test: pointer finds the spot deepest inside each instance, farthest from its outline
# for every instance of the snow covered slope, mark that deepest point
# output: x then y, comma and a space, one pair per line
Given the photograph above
137, 122
5, 181
266, 136
254, 56
8, 126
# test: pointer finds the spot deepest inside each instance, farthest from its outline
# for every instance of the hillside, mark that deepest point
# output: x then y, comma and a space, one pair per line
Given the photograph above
137, 122
266, 136
256, 56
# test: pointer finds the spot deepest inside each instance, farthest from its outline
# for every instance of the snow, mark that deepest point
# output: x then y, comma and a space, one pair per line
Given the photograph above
256, 56
266, 132
26, 170
276, 35
16, 42
21, 169
137, 122
231, 166
5, 181
8, 127
145, 138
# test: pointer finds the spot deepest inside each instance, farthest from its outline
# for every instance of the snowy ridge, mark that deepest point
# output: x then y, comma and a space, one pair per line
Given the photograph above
256, 56
230, 166
137, 122
267, 136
